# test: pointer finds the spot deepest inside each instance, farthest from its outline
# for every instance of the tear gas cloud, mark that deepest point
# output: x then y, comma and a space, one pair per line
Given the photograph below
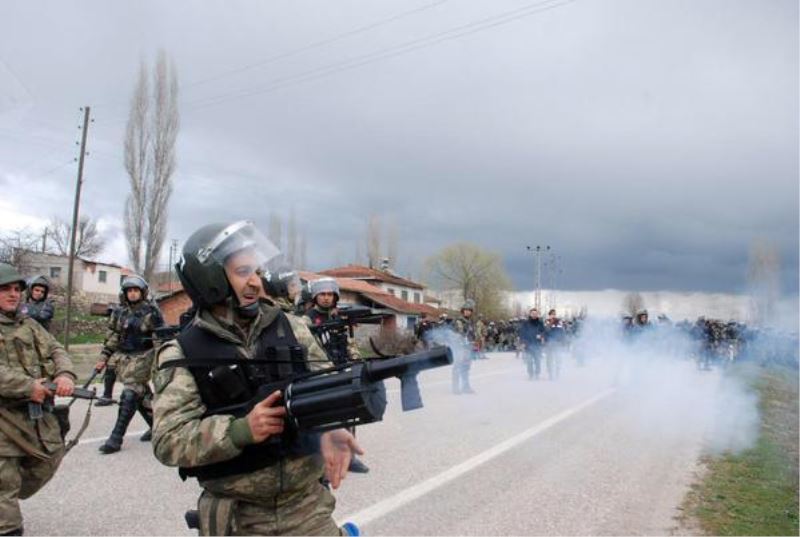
662, 392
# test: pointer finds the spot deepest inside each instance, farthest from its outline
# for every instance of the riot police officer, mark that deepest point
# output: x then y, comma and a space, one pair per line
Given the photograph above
37, 305
128, 349
339, 347
251, 486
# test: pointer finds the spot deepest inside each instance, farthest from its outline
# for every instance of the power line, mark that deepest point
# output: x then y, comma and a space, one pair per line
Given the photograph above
389, 52
305, 48
316, 44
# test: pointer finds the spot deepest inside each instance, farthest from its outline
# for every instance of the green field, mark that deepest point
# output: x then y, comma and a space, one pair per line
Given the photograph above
755, 492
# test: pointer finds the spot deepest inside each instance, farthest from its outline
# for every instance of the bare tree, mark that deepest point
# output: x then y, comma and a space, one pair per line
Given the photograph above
137, 162
291, 239
15, 246
763, 277
478, 275
150, 162
392, 245
88, 241
373, 241
359, 258
632, 304
302, 251
275, 232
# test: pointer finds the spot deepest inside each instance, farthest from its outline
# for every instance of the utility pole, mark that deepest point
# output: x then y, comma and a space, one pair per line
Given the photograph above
538, 273
74, 230
173, 250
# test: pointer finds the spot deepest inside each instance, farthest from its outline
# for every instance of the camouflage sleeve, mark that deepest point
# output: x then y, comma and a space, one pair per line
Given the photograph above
54, 351
153, 320
14, 384
181, 435
112, 336
317, 359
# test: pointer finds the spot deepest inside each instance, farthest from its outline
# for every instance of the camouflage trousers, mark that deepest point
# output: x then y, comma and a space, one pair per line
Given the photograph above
308, 513
134, 371
21, 478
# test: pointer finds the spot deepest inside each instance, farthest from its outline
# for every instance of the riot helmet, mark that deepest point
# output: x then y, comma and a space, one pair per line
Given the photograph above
133, 282
469, 304
324, 285
201, 268
282, 282
40, 281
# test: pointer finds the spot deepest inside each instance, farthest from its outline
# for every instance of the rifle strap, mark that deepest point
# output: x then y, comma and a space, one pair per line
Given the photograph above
74, 442
13, 432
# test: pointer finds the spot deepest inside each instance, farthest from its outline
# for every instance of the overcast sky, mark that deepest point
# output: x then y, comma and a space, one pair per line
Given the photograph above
648, 143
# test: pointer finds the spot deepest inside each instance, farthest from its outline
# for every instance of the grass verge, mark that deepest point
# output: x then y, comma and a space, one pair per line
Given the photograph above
755, 492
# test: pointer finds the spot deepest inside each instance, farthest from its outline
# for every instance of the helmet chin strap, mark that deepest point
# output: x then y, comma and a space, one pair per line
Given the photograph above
247, 312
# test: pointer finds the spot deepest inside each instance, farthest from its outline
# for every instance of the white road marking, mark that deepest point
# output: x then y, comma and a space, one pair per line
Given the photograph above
383, 507
471, 377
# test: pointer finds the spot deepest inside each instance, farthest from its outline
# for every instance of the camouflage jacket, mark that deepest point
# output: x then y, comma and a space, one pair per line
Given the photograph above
28, 352
183, 436
42, 311
466, 327
130, 328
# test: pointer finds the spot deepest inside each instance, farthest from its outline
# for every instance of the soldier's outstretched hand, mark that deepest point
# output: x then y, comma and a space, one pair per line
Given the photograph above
337, 449
265, 419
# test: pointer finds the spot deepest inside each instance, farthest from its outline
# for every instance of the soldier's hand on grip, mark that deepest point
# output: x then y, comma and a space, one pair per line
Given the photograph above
265, 419
39, 393
64, 386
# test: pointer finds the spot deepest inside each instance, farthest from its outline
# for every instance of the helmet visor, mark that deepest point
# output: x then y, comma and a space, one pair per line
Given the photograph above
239, 238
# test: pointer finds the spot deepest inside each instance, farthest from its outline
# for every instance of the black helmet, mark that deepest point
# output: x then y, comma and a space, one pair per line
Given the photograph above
281, 282
201, 268
8, 274
40, 281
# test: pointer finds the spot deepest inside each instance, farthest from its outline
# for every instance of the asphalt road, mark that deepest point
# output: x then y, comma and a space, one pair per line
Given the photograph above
602, 450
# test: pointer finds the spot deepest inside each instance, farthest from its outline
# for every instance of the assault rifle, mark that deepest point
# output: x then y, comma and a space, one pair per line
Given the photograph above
36, 410
333, 334
345, 395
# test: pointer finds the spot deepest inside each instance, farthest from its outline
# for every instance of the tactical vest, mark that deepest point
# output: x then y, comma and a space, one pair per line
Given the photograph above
131, 338
334, 342
225, 378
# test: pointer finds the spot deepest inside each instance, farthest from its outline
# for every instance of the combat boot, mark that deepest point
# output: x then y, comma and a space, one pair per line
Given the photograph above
147, 414
357, 467
127, 408
109, 379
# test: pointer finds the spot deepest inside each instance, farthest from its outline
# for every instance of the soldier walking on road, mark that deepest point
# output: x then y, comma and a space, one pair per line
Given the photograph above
128, 349
30, 449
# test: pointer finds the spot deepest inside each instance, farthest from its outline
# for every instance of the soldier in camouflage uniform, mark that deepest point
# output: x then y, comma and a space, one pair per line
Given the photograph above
462, 362
251, 486
37, 305
325, 298
30, 450
129, 349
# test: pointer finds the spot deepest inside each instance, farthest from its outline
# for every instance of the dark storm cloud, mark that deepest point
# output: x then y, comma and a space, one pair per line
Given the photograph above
650, 145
